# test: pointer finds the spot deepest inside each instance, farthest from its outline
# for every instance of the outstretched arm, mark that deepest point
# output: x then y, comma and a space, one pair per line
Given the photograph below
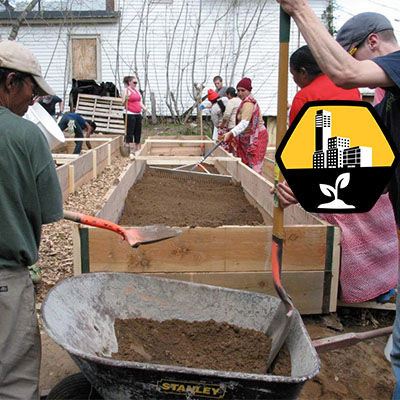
344, 70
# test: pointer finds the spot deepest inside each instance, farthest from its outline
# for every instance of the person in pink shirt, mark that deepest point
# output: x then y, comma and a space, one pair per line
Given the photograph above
132, 102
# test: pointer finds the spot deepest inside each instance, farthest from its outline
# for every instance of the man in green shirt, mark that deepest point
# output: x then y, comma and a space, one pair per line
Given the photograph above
30, 196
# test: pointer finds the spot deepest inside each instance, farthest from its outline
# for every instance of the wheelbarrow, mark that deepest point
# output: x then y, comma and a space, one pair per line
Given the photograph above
79, 314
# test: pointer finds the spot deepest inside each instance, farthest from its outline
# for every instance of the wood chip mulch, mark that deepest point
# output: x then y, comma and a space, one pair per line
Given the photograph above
56, 249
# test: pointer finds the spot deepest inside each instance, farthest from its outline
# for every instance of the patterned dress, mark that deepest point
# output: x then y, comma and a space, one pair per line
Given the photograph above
251, 145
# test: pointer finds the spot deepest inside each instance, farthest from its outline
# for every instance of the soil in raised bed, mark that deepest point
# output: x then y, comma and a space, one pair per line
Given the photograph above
162, 199
199, 344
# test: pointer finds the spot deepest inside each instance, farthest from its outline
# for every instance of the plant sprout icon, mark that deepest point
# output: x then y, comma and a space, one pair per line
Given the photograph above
341, 182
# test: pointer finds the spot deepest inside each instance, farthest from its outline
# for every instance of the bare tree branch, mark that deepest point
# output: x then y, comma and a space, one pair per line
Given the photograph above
16, 25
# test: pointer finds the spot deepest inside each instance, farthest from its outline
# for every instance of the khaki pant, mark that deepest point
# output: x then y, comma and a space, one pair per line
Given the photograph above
20, 349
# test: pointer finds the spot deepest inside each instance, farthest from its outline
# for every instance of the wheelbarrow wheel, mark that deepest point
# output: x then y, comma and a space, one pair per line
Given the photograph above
74, 387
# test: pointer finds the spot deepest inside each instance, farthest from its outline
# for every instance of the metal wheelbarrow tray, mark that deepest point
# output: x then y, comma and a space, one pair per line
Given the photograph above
79, 314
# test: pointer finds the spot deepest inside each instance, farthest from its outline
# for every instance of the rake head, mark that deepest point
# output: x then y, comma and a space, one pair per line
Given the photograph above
184, 175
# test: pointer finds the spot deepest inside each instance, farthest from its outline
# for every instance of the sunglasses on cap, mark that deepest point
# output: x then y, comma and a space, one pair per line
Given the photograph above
33, 87
357, 46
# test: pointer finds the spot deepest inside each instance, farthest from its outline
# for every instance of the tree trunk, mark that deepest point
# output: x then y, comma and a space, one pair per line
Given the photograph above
153, 108
18, 22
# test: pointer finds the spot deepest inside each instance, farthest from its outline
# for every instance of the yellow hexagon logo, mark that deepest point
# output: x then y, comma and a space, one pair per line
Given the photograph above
337, 156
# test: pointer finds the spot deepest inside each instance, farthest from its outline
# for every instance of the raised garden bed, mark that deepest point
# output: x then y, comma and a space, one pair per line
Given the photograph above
75, 170
236, 256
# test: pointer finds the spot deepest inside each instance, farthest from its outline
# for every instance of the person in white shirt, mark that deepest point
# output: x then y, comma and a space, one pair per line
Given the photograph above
218, 106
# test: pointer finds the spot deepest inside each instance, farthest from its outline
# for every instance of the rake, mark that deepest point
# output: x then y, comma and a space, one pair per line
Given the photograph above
183, 174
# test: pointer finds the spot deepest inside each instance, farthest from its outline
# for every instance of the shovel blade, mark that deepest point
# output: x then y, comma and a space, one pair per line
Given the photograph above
278, 331
149, 234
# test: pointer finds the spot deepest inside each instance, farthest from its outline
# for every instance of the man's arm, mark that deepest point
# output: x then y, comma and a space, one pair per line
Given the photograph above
88, 131
344, 70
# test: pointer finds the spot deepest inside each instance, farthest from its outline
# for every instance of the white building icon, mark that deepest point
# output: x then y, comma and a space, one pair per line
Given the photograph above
335, 152
356, 157
322, 131
336, 147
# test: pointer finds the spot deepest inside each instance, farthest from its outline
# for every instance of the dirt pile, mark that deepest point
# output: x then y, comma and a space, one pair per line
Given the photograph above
162, 199
198, 344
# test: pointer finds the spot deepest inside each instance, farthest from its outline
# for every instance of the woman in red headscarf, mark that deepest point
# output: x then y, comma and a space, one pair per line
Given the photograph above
250, 133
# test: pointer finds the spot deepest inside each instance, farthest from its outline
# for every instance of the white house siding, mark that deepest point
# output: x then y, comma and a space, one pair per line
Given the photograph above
152, 28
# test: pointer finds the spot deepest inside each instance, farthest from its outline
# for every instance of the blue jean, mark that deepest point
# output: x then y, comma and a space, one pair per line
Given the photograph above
395, 354
77, 130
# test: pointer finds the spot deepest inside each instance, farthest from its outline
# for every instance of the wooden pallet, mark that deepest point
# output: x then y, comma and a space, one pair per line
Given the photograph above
106, 112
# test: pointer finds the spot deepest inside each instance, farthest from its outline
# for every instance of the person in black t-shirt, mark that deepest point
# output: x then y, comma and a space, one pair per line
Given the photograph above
49, 104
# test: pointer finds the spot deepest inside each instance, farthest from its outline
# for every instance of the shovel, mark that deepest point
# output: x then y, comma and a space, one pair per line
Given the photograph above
135, 237
279, 327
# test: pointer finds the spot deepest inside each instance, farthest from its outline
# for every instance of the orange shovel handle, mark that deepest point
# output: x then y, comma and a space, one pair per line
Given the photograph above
97, 222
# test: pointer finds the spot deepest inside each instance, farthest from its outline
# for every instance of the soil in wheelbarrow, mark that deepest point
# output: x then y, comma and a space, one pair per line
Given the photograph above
198, 344
164, 199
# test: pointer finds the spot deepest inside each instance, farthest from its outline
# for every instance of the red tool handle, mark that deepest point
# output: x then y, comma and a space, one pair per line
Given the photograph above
97, 222
276, 274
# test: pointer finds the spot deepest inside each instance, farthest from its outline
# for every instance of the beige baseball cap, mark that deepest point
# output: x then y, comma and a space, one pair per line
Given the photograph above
15, 56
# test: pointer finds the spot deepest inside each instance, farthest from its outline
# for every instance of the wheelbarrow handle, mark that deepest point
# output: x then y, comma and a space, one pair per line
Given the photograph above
348, 339
97, 222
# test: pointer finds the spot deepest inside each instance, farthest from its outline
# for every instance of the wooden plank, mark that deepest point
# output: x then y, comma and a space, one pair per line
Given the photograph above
100, 113
335, 269
369, 304
77, 251
173, 138
65, 156
179, 142
268, 169
222, 249
71, 179
104, 98
94, 163
177, 151
84, 58
115, 198
110, 103
304, 287
94, 139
